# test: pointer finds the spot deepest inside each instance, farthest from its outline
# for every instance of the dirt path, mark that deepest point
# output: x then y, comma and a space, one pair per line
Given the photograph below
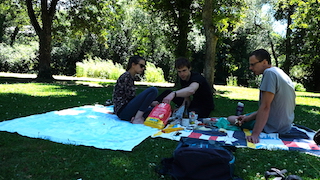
71, 78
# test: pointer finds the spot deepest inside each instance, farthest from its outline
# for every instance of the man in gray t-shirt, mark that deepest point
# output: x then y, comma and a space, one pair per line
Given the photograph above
276, 100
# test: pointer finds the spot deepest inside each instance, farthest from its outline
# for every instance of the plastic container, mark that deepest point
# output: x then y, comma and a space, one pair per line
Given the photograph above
239, 109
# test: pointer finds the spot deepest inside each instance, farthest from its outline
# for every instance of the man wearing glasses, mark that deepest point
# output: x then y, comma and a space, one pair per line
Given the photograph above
276, 100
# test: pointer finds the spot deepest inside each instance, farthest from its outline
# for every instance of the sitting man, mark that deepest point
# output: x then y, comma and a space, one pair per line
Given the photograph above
276, 100
193, 85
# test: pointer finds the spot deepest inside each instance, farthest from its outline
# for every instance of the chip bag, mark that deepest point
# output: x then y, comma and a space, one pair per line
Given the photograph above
159, 116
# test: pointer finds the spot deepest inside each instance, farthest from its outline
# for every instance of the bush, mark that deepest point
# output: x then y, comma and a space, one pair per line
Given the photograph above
99, 68
232, 81
153, 74
19, 58
299, 87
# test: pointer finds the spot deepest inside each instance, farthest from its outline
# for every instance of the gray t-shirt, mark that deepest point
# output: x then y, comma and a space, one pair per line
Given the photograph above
281, 114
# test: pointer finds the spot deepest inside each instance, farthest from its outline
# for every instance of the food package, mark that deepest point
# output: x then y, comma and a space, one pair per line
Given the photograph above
159, 116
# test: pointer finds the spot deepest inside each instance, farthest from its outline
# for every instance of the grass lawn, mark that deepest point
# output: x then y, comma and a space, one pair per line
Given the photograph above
28, 158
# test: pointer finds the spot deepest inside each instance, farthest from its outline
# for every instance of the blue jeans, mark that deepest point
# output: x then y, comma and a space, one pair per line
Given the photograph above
140, 103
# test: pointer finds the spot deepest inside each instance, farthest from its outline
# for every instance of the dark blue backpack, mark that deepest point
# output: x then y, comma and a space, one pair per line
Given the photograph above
196, 159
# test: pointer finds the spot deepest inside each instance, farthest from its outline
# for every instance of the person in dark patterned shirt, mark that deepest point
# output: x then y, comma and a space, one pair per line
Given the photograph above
127, 105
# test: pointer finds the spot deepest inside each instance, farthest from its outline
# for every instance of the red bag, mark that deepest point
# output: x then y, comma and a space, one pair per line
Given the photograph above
159, 116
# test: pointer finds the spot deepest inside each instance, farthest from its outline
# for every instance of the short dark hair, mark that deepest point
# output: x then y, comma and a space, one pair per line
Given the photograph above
134, 59
261, 54
182, 62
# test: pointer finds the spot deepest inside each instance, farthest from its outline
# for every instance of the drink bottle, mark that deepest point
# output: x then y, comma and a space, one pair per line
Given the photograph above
239, 109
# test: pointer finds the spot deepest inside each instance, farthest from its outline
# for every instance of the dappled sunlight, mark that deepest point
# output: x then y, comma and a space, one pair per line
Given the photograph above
34, 89
233, 92
312, 111
121, 162
307, 98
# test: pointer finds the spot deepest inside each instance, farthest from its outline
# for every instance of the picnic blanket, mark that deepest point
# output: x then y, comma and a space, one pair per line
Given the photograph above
86, 125
300, 138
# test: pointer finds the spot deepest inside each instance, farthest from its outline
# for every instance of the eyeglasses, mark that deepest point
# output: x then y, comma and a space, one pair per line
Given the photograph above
142, 66
253, 64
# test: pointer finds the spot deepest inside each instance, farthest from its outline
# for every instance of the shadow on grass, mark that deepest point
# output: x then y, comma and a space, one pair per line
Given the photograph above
310, 96
28, 158
18, 105
305, 115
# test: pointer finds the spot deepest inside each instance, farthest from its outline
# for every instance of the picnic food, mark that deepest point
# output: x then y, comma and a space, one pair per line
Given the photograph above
237, 122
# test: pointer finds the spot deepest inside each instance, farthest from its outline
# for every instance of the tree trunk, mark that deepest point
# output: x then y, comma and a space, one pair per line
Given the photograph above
44, 73
44, 33
287, 63
211, 42
2, 20
14, 35
273, 50
184, 27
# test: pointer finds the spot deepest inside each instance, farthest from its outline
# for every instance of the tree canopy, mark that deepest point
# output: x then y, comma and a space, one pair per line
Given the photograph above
215, 35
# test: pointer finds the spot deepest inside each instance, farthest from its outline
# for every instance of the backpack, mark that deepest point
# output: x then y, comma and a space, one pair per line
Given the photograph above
196, 159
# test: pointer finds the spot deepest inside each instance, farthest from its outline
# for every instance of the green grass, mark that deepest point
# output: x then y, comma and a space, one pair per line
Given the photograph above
28, 158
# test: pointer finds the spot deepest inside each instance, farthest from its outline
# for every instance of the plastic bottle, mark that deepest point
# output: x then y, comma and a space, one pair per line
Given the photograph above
239, 109
185, 112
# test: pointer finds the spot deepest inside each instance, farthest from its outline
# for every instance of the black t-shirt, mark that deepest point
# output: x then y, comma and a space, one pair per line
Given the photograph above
202, 98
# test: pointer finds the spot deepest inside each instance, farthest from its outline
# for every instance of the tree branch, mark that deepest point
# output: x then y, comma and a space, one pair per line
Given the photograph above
32, 16
52, 8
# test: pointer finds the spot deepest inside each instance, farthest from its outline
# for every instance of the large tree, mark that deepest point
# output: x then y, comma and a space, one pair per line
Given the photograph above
44, 32
211, 41
306, 29
218, 17
178, 15
285, 10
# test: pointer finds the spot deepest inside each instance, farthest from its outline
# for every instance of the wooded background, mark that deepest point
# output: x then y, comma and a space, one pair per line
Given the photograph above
49, 37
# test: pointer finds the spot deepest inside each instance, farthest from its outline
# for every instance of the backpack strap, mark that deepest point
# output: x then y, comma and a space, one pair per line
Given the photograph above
165, 167
275, 172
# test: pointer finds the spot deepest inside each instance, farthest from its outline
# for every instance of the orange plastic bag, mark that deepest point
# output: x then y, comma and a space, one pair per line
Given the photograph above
159, 116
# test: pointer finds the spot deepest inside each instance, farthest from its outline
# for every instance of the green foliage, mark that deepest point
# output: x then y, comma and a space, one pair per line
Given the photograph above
154, 74
98, 68
232, 81
304, 38
254, 82
19, 58
299, 87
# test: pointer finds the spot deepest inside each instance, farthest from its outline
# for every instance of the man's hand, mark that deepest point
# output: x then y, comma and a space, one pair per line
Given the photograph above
168, 98
242, 119
253, 139
154, 103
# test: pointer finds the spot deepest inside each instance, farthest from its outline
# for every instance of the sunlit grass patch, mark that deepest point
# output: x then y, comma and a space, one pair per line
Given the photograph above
35, 89
28, 158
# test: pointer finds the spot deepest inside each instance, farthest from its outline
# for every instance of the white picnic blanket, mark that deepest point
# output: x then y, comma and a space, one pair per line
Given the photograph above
86, 125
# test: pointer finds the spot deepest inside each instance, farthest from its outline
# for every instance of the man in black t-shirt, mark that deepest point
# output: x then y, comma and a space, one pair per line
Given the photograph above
195, 90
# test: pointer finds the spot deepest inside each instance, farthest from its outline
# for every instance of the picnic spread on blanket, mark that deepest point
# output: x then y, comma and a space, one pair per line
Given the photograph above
95, 125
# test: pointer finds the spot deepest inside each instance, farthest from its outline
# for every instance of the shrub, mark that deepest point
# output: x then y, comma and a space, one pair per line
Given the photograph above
19, 58
299, 87
98, 68
153, 74
232, 81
